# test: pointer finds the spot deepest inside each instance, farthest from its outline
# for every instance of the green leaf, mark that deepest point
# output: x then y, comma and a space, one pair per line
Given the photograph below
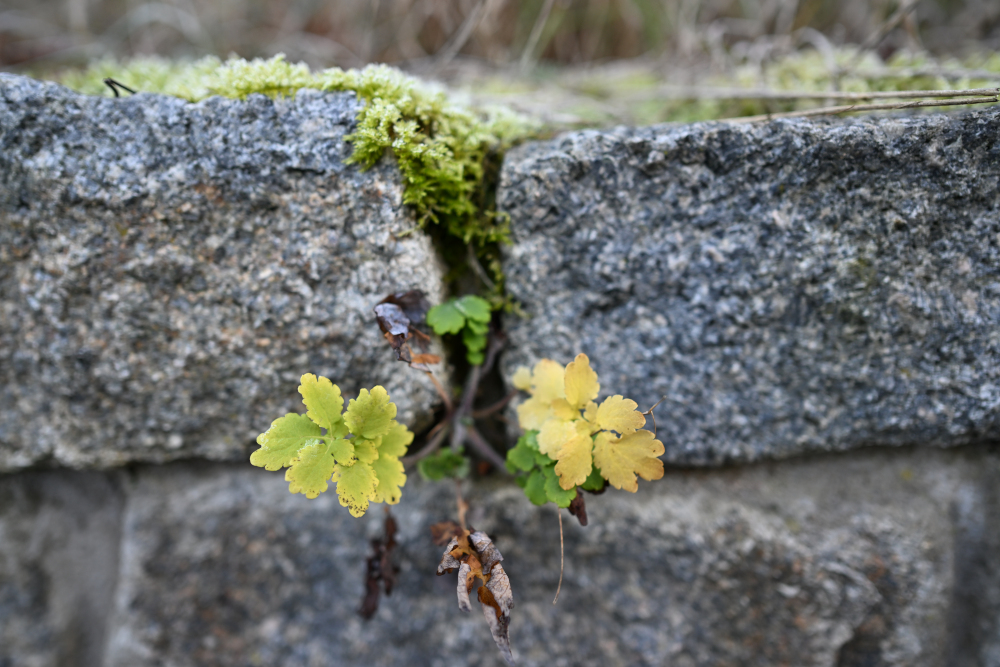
474, 308
391, 479
311, 470
366, 451
521, 457
395, 442
554, 492
356, 485
475, 358
343, 451
446, 318
594, 481
477, 327
370, 415
445, 463
473, 342
281, 443
535, 488
521, 481
324, 402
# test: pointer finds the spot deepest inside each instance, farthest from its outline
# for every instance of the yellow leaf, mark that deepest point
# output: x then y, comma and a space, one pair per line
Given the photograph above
621, 459
522, 378
574, 458
533, 413
547, 381
395, 442
581, 382
365, 450
370, 414
561, 409
311, 470
356, 484
324, 402
391, 478
619, 414
553, 435
590, 413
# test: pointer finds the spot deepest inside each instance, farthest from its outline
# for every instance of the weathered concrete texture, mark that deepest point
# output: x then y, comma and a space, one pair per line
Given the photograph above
788, 286
883, 558
169, 270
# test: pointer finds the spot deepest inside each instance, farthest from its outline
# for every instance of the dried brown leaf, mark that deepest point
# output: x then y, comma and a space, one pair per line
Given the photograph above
476, 557
578, 507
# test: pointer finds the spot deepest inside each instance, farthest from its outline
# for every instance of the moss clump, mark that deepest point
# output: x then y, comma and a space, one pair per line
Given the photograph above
446, 153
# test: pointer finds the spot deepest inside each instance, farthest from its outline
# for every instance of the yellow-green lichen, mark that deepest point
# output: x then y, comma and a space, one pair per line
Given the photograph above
444, 151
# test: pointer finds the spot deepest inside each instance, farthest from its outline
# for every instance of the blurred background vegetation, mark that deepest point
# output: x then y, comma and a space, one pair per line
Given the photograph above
567, 61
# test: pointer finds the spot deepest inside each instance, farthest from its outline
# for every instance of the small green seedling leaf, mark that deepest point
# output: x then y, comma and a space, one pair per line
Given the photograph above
521, 457
445, 463
281, 443
445, 318
474, 308
370, 415
311, 470
473, 342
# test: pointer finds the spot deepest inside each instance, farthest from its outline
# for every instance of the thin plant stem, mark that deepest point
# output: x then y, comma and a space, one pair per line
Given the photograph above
559, 587
463, 506
473, 437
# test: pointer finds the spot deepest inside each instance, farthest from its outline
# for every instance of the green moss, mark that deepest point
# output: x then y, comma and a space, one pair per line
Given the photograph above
446, 153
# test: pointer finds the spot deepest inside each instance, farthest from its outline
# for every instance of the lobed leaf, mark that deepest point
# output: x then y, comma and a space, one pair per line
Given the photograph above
324, 403
522, 378
521, 457
395, 441
366, 451
445, 463
391, 479
574, 460
474, 308
311, 470
535, 488
554, 491
370, 414
621, 459
342, 451
445, 318
619, 414
281, 443
581, 382
356, 485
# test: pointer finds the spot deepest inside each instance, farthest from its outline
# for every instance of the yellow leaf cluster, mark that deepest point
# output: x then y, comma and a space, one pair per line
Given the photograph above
578, 433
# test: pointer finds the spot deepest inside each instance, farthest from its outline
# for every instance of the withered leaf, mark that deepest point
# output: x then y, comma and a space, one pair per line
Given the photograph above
476, 557
444, 532
379, 569
399, 316
578, 508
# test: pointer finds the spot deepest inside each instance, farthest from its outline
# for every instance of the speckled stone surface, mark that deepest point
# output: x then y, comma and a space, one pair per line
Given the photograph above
877, 558
788, 287
169, 270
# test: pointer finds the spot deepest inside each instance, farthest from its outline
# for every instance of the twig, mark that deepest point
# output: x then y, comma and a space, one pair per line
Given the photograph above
115, 85
432, 446
559, 587
651, 415
479, 443
496, 407
528, 55
497, 342
826, 111
478, 269
448, 405
888, 26
463, 506
465, 407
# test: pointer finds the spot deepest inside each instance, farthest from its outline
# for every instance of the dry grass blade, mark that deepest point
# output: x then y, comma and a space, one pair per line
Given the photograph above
829, 111
711, 93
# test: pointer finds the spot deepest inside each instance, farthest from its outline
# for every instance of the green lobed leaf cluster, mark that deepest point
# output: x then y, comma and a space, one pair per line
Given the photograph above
359, 448
469, 315
445, 463
441, 147
535, 473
